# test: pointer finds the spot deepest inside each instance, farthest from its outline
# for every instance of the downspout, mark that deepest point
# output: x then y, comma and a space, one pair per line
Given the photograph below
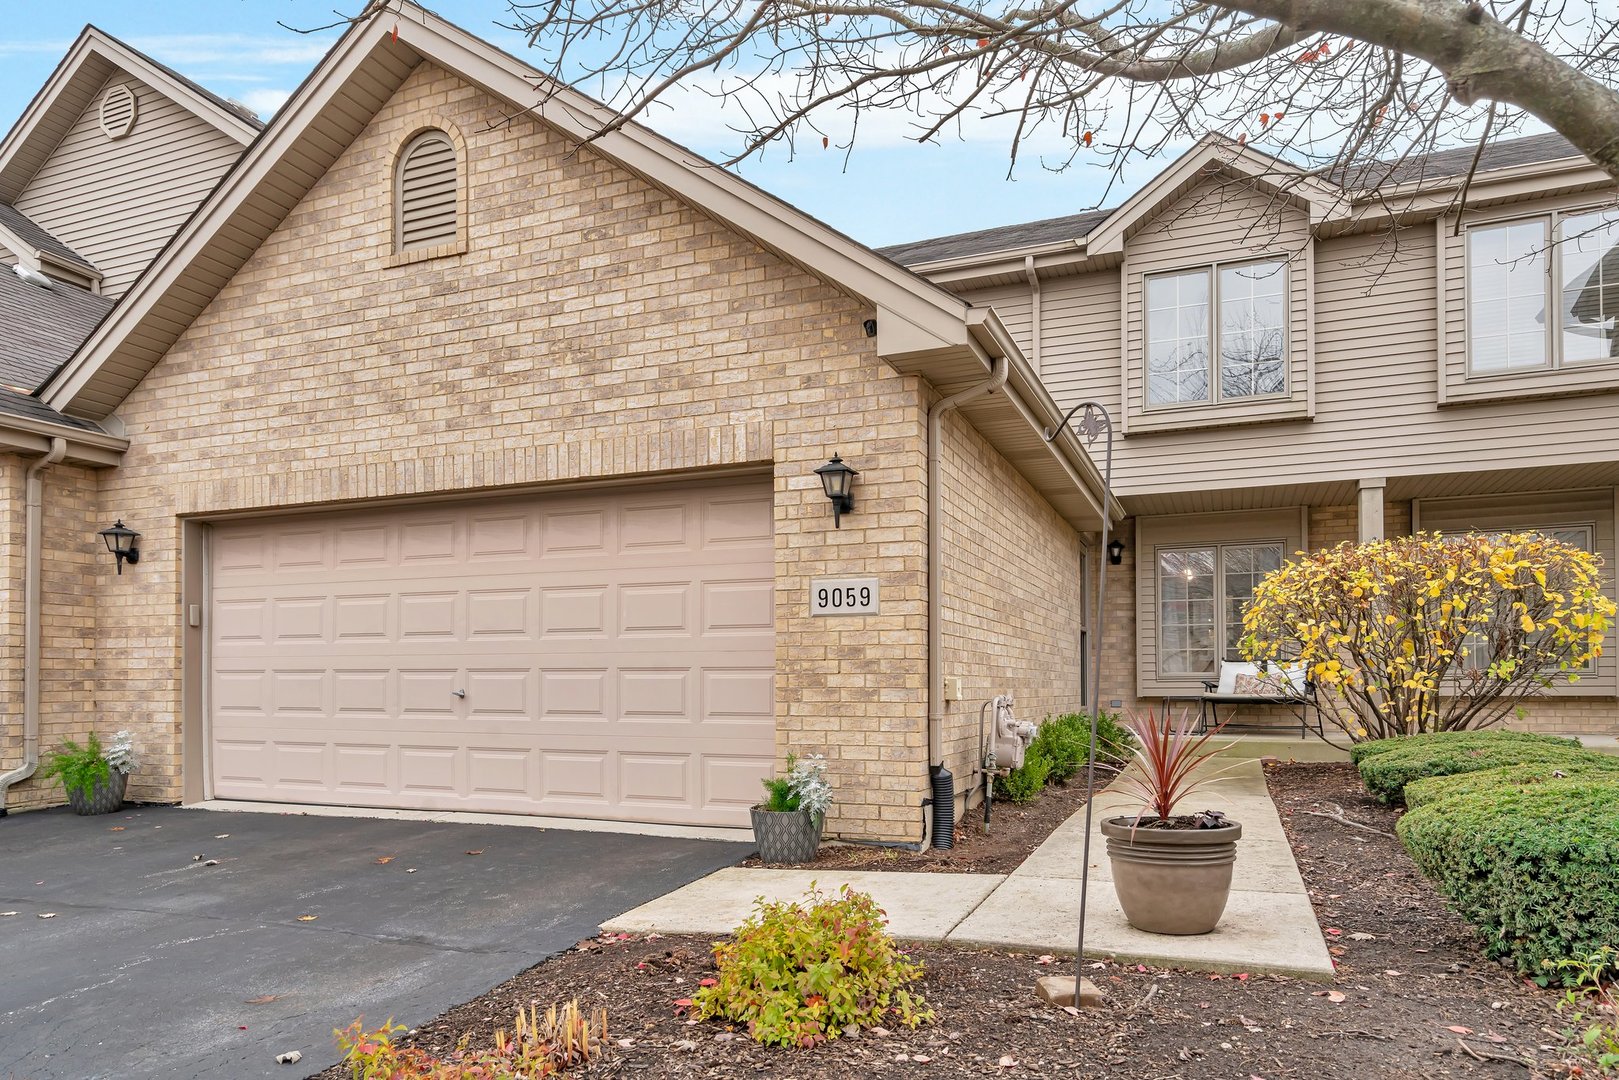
1000, 368
1034, 313
32, 560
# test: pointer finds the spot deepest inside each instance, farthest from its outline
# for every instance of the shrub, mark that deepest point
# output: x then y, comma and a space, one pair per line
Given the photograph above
80, 768
799, 974
1592, 1008
1385, 775
803, 788
539, 1046
1065, 741
1530, 867
1361, 751
1024, 783
1431, 789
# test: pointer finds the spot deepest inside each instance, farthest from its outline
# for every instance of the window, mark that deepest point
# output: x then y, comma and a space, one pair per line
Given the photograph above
1513, 272
1476, 650
1249, 333
1203, 592
427, 196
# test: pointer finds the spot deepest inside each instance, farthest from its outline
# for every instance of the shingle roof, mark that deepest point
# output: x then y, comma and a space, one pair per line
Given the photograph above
225, 103
15, 404
983, 241
41, 328
38, 238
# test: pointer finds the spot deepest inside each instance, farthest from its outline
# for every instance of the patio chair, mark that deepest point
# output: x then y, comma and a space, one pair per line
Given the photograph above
1241, 684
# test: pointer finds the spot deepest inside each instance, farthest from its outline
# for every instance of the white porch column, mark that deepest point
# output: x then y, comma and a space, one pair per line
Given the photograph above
1371, 508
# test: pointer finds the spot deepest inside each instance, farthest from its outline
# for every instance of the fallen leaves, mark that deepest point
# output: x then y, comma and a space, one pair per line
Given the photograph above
7, 914
1458, 1029
262, 999
47, 914
308, 918
384, 860
1361, 935
479, 851
117, 828
1334, 996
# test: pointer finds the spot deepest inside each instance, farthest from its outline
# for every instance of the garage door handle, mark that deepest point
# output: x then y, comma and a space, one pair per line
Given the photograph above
459, 693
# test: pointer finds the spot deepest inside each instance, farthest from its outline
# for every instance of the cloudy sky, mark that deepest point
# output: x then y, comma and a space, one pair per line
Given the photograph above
890, 189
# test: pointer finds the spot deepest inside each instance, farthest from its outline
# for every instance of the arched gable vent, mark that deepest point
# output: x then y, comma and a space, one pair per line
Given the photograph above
118, 112
426, 200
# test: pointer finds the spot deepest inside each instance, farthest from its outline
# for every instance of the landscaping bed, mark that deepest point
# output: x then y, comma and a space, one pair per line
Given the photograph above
1418, 1000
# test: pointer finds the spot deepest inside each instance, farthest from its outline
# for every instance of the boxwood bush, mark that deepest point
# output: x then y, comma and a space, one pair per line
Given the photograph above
1531, 866
1059, 752
1431, 789
1386, 774
1361, 751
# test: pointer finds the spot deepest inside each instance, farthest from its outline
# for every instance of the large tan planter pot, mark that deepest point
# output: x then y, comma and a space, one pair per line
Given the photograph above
1171, 881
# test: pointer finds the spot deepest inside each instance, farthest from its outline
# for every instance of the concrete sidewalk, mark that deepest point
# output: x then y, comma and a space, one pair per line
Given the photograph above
1269, 925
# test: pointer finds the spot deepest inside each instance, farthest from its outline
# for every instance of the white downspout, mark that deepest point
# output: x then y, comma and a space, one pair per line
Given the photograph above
1035, 314
999, 370
32, 561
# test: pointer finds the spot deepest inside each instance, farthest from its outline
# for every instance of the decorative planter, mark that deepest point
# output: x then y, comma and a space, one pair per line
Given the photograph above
1171, 881
787, 836
107, 797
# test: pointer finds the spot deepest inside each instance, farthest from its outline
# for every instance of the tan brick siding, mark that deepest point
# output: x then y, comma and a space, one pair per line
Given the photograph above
1011, 594
596, 327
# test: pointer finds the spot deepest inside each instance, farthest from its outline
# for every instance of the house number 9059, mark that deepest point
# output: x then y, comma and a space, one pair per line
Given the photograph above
843, 596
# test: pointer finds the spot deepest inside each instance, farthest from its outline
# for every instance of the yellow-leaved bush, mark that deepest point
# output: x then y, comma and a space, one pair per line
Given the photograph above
1432, 632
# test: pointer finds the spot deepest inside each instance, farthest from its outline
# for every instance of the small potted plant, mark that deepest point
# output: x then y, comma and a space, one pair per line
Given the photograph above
787, 825
1172, 872
93, 777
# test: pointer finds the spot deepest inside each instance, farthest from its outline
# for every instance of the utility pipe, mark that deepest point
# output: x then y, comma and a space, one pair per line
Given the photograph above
999, 370
32, 560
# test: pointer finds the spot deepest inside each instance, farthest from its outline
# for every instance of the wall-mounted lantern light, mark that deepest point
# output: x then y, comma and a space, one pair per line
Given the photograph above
1115, 552
838, 480
121, 542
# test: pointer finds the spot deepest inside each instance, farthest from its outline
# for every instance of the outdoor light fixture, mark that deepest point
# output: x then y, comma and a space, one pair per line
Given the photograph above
838, 480
1115, 552
121, 542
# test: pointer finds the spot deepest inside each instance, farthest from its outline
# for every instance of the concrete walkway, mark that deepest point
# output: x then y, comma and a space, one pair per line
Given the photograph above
1269, 925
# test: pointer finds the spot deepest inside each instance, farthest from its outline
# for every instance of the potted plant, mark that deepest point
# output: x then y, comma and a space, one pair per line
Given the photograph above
1172, 872
93, 777
787, 825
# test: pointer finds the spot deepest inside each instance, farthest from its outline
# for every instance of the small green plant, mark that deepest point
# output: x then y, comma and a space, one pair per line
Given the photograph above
803, 787
1025, 783
1591, 1006
1066, 742
79, 768
539, 1046
802, 973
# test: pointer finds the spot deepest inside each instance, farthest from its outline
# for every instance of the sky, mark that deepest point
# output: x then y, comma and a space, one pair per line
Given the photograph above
890, 190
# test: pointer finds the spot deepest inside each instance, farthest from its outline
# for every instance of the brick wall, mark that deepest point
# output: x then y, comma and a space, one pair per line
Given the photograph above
595, 327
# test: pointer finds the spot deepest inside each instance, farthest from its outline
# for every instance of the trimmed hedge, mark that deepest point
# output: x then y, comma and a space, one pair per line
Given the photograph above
1532, 867
1386, 774
1431, 789
1361, 751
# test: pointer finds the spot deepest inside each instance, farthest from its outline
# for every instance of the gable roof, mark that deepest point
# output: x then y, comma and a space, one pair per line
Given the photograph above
93, 58
25, 231
921, 328
1444, 164
41, 327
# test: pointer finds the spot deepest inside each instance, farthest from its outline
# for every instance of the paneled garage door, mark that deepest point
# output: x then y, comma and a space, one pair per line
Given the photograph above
605, 655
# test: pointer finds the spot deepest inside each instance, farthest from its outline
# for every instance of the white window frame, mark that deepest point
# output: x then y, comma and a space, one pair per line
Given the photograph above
1215, 367
1219, 547
1552, 290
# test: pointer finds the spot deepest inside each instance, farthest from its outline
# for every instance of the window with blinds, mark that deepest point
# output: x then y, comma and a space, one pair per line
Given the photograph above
425, 199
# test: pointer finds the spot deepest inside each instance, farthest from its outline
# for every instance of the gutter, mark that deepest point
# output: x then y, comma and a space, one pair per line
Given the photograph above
32, 559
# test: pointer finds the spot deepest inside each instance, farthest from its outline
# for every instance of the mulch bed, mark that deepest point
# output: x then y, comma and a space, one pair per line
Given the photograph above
1417, 998
1014, 831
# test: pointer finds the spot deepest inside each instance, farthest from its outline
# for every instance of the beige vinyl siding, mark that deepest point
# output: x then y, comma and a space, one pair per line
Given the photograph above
1221, 221
117, 201
1188, 530
1525, 511
1079, 348
1461, 387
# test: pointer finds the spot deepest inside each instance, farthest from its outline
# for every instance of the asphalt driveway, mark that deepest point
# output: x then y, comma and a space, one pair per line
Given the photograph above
153, 960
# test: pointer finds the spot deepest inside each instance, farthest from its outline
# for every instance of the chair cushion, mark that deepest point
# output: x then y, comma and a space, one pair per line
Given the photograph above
1229, 672
1246, 680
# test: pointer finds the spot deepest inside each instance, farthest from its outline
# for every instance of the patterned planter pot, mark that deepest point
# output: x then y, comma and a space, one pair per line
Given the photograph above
787, 837
107, 797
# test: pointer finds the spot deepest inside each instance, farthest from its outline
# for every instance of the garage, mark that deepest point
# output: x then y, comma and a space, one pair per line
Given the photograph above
603, 654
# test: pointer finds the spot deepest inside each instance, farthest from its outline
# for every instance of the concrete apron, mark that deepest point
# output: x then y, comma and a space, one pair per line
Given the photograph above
1269, 925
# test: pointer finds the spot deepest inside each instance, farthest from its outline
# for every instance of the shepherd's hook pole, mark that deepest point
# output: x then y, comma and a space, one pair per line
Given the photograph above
1093, 425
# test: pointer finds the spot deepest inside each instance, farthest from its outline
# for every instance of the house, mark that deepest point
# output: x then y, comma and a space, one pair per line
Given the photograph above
1388, 361
477, 467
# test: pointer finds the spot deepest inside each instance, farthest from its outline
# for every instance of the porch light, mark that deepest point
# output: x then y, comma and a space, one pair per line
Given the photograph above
121, 542
1115, 552
838, 480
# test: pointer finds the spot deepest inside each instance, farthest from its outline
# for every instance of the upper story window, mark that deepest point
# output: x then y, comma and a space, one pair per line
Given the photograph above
1235, 312
1514, 272
427, 194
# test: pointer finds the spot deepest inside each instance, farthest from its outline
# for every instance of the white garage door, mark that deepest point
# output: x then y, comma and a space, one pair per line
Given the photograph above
605, 655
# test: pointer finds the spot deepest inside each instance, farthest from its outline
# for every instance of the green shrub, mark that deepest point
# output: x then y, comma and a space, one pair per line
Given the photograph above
799, 974
1530, 867
1591, 1005
80, 768
1024, 783
540, 1045
1361, 751
1385, 775
1431, 789
1065, 742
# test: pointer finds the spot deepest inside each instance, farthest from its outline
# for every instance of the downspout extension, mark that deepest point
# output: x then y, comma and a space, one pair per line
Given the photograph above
32, 561
1000, 368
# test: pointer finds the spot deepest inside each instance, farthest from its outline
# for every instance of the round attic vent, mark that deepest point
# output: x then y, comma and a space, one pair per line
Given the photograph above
118, 112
